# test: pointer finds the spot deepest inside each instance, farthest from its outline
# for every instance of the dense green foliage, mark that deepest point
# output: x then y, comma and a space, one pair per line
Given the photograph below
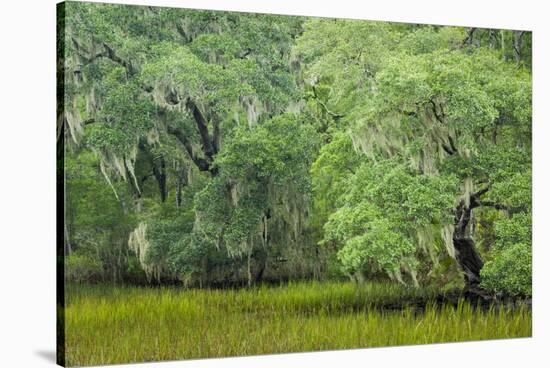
227, 148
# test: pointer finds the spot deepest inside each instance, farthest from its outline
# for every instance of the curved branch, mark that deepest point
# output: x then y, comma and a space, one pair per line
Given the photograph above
202, 126
324, 106
494, 205
107, 52
201, 163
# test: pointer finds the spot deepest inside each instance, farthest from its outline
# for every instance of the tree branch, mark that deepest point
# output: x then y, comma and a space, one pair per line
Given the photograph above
470, 38
494, 205
201, 163
464, 213
202, 126
439, 117
479, 193
447, 149
107, 52
324, 106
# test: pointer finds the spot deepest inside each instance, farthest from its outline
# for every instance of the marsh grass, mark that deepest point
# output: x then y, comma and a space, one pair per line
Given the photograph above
108, 325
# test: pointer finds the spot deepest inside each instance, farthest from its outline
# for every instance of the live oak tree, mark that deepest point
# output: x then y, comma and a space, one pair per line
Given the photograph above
230, 144
443, 126
147, 75
157, 93
260, 198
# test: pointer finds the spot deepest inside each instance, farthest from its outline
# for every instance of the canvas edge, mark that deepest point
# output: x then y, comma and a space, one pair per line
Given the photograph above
60, 185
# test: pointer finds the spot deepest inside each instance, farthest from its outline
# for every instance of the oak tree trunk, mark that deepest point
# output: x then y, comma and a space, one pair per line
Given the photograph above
249, 268
466, 254
469, 260
159, 171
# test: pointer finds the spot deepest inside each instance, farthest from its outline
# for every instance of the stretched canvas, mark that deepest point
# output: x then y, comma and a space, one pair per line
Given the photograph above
238, 184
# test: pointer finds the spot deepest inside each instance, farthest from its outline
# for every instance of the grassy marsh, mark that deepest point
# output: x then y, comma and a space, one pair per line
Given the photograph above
108, 325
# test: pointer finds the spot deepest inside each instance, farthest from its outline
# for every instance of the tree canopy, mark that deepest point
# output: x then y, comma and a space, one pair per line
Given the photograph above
208, 147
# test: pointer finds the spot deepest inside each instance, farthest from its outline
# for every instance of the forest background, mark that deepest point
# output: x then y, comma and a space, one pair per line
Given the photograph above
221, 148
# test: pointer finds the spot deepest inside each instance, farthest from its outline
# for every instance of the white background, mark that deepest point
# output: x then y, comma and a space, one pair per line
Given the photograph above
27, 181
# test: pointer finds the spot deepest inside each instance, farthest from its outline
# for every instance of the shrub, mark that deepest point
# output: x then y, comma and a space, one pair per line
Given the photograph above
83, 268
510, 272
